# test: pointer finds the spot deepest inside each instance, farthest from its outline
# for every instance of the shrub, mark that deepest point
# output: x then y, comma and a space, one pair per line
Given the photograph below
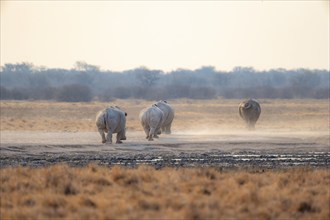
74, 93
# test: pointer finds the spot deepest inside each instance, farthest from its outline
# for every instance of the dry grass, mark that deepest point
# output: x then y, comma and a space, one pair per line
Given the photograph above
208, 115
95, 192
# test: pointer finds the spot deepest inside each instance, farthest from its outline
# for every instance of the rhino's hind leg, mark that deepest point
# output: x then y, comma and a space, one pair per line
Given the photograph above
101, 131
120, 136
109, 137
168, 129
157, 133
146, 131
151, 134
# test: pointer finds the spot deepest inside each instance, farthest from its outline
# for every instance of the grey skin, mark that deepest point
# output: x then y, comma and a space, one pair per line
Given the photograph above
151, 120
111, 120
168, 116
250, 110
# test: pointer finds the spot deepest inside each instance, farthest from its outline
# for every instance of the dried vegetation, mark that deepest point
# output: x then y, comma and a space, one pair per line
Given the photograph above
96, 192
218, 114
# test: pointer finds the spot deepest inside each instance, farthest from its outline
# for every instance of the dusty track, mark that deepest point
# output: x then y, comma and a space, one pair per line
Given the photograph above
205, 133
223, 150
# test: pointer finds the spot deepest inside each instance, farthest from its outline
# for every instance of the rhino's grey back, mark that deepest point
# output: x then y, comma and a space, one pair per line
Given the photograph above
168, 112
250, 110
151, 116
116, 119
111, 117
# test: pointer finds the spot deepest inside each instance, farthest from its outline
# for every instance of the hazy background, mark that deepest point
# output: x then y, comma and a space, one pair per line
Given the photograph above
86, 82
103, 50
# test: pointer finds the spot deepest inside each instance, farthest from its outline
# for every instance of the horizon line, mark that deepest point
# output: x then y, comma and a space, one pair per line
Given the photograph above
100, 69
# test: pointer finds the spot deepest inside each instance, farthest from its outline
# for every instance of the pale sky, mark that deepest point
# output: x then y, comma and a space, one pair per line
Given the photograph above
166, 35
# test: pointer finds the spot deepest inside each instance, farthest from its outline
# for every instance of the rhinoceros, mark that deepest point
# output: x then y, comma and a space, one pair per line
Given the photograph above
111, 120
168, 116
151, 120
250, 110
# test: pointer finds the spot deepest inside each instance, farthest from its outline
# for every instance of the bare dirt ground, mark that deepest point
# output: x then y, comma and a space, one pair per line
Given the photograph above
205, 133
211, 166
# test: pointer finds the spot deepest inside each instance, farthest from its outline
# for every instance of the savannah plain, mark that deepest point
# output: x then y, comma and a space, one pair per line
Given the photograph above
99, 189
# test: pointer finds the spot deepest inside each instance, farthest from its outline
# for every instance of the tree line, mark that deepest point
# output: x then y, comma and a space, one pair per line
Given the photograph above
85, 82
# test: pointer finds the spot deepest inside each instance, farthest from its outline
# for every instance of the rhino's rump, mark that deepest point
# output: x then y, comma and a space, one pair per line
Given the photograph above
111, 119
151, 117
250, 110
168, 113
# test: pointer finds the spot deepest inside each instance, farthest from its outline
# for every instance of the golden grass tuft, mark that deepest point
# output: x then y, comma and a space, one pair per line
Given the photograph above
97, 192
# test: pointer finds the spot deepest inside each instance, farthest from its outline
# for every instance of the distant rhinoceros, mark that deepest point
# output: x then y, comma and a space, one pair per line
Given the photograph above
250, 110
168, 116
151, 120
112, 120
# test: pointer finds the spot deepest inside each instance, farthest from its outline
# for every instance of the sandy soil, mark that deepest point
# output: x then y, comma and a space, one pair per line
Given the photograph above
230, 149
205, 133
250, 175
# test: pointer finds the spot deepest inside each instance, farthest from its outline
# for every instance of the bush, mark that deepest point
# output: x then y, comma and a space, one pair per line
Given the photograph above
4, 93
15, 93
74, 93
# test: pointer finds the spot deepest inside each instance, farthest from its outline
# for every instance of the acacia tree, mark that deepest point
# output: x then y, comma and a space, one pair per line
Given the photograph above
83, 66
23, 67
147, 77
